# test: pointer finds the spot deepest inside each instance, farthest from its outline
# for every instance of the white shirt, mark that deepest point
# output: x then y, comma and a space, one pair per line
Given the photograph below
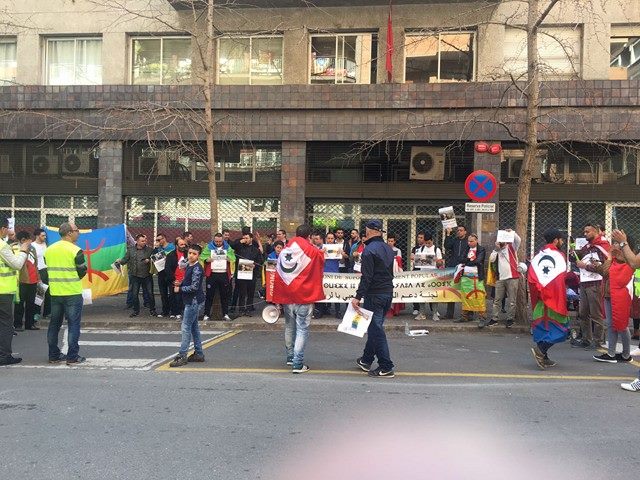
40, 249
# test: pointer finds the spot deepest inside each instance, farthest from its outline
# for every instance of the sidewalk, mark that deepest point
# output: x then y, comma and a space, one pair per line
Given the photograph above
110, 312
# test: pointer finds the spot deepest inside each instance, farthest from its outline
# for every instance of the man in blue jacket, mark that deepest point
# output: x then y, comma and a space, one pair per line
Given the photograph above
376, 286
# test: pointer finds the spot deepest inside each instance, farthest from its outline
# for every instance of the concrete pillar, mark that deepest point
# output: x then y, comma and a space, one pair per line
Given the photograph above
110, 201
115, 55
292, 194
486, 224
295, 68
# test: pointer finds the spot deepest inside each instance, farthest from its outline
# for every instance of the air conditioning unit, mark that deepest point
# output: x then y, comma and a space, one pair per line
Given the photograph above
45, 165
427, 163
515, 165
156, 162
76, 163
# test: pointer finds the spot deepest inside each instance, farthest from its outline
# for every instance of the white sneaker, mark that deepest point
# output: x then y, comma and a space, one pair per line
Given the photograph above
206, 318
172, 316
635, 352
227, 318
178, 317
421, 317
631, 387
436, 317
416, 312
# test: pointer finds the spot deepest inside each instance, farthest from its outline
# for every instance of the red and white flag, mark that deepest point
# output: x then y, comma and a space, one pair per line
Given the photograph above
547, 279
299, 274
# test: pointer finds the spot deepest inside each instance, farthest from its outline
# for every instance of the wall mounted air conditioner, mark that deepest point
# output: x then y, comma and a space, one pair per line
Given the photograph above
427, 163
45, 165
156, 162
76, 163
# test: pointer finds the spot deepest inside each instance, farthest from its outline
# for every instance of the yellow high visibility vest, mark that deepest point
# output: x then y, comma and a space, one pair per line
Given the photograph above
61, 267
8, 276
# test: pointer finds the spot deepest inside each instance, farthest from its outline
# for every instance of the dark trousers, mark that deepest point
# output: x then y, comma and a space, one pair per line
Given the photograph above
377, 345
26, 307
6, 325
243, 287
219, 282
147, 287
145, 294
164, 286
45, 308
544, 347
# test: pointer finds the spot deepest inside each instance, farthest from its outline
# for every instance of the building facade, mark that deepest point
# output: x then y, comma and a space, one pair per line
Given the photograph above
312, 123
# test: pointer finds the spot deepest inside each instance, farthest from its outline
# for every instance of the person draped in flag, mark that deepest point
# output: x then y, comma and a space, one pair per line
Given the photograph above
548, 297
297, 286
474, 295
618, 295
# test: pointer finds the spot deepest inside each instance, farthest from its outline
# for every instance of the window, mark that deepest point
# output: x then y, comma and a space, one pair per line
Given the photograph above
558, 49
8, 64
161, 61
250, 61
625, 58
442, 57
343, 58
74, 61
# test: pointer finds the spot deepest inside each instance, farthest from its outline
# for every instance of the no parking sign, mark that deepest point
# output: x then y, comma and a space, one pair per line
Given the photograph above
481, 186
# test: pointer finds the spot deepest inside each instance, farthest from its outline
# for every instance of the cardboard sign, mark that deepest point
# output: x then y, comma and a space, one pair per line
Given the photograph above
448, 217
332, 251
506, 237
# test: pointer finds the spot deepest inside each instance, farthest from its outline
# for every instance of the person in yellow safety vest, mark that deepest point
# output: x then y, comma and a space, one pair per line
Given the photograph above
67, 266
10, 264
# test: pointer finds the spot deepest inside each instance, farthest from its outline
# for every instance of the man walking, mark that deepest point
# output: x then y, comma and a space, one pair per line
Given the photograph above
376, 286
297, 286
504, 259
10, 263
138, 257
67, 266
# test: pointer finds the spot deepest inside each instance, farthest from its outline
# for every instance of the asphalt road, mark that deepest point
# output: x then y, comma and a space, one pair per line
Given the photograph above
462, 405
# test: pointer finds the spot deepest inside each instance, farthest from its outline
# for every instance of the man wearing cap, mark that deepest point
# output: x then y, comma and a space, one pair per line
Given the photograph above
10, 264
376, 286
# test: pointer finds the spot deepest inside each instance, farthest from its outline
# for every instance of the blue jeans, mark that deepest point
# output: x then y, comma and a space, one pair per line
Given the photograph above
190, 328
69, 306
296, 330
377, 345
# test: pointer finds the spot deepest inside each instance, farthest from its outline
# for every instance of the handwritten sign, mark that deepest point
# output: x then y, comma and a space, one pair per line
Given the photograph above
505, 236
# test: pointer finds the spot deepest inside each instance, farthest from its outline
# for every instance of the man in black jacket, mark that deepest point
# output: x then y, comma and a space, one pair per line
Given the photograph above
138, 257
248, 249
455, 249
376, 286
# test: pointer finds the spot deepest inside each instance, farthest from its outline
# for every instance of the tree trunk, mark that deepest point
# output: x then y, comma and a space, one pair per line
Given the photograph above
209, 73
532, 91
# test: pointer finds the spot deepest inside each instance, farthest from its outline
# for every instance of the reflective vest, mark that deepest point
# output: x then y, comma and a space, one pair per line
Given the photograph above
8, 276
636, 282
61, 266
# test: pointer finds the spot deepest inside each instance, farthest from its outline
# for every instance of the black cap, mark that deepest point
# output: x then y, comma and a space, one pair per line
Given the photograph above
552, 233
374, 225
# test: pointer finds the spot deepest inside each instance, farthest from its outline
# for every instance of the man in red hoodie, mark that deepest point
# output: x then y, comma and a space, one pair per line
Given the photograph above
591, 287
297, 286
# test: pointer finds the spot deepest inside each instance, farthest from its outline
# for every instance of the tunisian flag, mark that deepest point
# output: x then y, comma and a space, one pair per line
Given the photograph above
547, 279
299, 274
621, 289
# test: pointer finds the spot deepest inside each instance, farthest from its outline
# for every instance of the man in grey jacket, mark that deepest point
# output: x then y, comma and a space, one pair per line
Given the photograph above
138, 257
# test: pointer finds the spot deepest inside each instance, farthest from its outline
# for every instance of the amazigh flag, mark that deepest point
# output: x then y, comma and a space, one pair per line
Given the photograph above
299, 273
101, 248
549, 295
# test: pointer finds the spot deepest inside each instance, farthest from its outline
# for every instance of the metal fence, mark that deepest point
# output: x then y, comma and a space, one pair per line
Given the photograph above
33, 211
406, 219
174, 215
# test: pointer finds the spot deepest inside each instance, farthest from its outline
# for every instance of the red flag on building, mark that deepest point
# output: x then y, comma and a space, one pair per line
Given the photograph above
389, 59
299, 274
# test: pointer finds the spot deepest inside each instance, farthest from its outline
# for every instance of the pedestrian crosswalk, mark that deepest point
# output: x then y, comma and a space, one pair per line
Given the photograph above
120, 349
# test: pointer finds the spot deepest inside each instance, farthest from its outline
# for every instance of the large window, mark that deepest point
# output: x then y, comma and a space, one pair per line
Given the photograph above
625, 58
74, 61
161, 61
441, 57
8, 64
250, 60
342, 58
559, 50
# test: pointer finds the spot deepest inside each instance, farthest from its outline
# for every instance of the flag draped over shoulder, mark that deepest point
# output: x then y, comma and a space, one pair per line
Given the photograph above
101, 248
299, 274
549, 295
